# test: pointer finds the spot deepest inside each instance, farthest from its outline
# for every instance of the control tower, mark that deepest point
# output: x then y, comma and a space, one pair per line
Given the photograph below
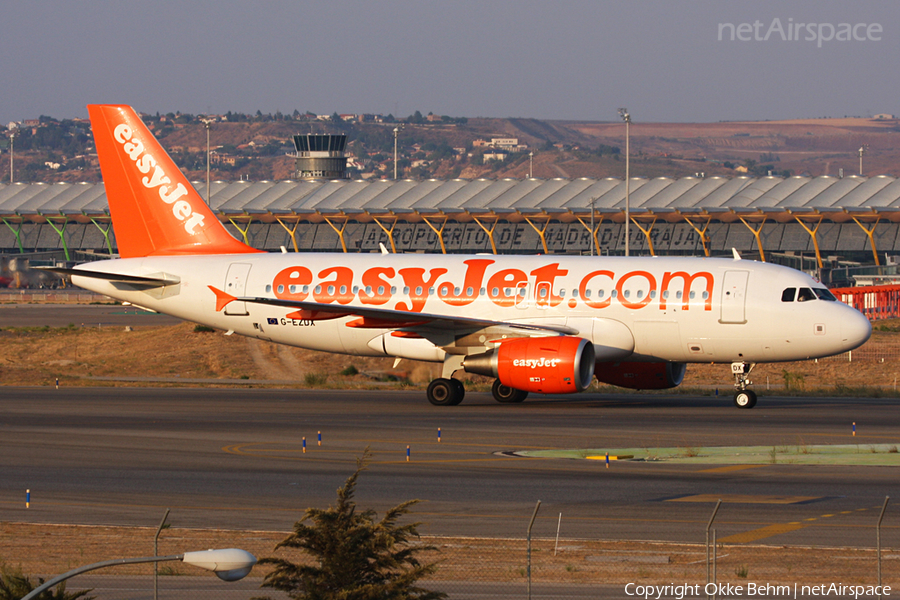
320, 156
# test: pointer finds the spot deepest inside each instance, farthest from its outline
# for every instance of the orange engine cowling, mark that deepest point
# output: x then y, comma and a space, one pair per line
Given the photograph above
641, 375
547, 365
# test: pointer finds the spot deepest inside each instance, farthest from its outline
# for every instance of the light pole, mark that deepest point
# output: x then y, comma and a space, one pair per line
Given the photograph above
12, 138
206, 123
531, 165
396, 131
229, 565
862, 150
623, 112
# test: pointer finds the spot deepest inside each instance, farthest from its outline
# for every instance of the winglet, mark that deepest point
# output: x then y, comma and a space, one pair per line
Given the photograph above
222, 299
735, 254
155, 209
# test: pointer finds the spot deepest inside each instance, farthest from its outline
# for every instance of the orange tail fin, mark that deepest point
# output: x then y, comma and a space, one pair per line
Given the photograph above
154, 208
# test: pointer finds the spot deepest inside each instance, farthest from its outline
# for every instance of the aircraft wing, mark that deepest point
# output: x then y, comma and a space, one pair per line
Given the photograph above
385, 318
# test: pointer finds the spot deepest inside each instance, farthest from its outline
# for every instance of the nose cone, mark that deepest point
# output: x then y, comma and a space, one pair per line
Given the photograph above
855, 329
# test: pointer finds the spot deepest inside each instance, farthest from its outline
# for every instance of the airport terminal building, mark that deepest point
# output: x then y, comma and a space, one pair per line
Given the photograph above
808, 222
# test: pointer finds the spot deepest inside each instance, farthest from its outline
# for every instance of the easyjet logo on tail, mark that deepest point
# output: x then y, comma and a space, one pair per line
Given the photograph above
156, 178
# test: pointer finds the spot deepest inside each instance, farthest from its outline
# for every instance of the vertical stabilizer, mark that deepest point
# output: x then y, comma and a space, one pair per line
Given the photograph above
155, 210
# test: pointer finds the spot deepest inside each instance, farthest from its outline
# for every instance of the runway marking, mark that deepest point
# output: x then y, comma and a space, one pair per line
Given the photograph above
730, 469
758, 534
316, 454
771, 530
745, 499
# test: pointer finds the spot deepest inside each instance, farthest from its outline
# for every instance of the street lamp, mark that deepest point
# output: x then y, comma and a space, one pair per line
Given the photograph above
623, 113
531, 165
229, 565
862, 150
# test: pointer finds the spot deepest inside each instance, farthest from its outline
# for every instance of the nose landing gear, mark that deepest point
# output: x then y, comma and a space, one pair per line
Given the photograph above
743, 397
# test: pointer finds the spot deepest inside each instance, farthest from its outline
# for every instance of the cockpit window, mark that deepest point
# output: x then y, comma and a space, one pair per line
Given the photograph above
824, 294
788, 295
805, 294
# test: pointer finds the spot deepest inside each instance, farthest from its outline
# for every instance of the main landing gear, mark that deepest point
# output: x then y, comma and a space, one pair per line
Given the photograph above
505, 394
743, 397
447, 391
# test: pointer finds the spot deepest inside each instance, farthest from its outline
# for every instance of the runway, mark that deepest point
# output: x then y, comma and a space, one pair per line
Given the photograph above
80, 315
234, 459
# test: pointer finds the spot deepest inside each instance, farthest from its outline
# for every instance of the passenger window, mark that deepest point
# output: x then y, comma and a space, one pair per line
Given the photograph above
805, 294
788, 295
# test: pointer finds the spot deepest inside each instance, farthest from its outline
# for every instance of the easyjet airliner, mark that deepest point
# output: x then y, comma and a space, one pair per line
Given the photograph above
545, 324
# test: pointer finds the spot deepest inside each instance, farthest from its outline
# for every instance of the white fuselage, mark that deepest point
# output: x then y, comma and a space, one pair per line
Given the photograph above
669, 309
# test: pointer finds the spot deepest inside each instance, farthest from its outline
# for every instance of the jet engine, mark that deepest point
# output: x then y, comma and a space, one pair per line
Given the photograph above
641, 375
547, 365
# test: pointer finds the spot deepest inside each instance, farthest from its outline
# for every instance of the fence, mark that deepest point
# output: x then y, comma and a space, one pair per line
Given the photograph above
561, 568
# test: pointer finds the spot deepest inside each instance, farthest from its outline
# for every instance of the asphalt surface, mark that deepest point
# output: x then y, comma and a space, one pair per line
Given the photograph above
86, 315
234, 459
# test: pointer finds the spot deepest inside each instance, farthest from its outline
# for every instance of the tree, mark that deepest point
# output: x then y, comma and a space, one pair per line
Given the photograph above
356, 556
15, 585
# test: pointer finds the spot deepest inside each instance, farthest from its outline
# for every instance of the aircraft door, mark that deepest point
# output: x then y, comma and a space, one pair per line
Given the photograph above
236, 285
734, 297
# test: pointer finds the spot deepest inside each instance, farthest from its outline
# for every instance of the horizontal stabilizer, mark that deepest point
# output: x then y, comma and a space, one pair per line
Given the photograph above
136, 280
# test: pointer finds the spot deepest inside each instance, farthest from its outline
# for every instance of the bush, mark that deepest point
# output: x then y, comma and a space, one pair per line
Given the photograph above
356, 557
315, 379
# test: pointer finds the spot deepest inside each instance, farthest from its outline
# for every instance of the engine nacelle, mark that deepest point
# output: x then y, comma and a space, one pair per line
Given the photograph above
547, 365
641, 375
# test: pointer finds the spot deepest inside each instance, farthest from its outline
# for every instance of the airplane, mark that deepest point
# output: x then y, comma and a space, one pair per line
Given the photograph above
544, 324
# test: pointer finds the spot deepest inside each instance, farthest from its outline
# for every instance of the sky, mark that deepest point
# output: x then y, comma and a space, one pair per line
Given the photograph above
666, 61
